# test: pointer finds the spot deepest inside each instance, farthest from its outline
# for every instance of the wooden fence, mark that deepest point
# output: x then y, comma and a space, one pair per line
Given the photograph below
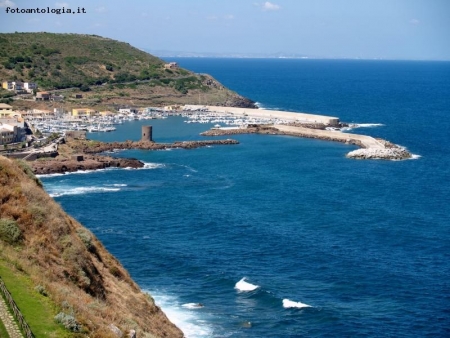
17, 314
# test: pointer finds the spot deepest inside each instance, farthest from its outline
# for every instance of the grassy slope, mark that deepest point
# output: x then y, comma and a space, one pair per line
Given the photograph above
38, 310
78, 274
106, 71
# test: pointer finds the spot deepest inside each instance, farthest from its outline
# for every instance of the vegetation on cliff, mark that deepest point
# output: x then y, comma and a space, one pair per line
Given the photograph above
105, 70
87, 287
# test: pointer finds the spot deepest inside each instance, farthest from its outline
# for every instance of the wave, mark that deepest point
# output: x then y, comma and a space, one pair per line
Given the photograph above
193, 305
352, 126
190, 322
244, 286
49, 175
287, 304
149, 165
82, 190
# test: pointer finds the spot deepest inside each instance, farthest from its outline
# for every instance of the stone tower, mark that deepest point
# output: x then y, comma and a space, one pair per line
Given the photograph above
147, 133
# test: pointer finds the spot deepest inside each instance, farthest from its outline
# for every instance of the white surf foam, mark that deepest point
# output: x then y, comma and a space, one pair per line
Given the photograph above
81, 191
190, 322
48, 175
148, 165
192, 306
80, 172
244, 286
287, 304
362, 125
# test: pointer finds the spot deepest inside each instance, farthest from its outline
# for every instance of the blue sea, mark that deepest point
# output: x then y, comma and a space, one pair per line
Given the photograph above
332, 247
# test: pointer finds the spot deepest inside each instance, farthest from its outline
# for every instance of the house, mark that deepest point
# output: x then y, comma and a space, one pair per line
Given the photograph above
42, 96
8, 85
171, 65
84, 112
59, 111
17, 86
5, 110
128, 110
56, 98
12, 130
29, 86
6, 134
106, 113
171, 108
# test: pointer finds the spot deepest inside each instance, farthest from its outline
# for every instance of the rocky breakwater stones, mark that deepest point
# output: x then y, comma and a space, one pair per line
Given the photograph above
394, 153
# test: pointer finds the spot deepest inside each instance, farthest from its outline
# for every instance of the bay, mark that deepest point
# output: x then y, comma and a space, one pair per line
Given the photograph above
364, 243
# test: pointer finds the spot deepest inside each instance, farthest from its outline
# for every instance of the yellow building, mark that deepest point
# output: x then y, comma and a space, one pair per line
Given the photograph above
84, 112
106, 113
8, 85
5, 110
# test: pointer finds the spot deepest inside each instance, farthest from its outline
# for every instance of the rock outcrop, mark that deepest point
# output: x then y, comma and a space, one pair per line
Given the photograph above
86, 158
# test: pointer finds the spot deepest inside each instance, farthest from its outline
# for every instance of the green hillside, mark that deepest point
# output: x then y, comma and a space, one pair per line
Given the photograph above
71, 60
112, 71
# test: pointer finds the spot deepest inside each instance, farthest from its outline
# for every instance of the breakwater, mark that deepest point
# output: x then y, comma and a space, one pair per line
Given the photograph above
371, 148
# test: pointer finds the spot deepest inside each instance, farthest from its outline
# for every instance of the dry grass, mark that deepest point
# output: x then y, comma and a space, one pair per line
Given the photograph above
74, 268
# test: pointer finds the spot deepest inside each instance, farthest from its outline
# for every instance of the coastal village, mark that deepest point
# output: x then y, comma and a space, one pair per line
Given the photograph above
36, 133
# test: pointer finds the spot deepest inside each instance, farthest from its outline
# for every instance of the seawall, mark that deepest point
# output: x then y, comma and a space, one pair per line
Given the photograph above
371, 148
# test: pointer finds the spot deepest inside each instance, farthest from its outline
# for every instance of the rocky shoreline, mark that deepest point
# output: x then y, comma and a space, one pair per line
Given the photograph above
78, 155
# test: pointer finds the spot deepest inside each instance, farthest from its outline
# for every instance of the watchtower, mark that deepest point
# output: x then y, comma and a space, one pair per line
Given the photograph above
147, 133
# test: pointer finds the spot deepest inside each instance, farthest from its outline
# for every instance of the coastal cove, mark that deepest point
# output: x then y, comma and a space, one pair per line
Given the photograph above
327, 245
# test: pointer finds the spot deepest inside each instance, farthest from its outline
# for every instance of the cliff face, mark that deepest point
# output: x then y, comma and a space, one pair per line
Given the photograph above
69, 262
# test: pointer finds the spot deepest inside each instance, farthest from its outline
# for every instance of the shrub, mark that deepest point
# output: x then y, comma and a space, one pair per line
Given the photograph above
40, 289
27, 170
85, 237
9, 231
68, 321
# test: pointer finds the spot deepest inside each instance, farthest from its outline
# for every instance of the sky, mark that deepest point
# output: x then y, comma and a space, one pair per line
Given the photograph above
367, 29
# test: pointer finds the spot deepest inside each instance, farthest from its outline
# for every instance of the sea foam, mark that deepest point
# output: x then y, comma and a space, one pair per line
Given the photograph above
244, 286
81, 191
352, 126
190, 322
291, 304
153, 165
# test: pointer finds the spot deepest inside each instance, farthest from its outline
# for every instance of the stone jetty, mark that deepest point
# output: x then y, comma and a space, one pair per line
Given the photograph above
371, 148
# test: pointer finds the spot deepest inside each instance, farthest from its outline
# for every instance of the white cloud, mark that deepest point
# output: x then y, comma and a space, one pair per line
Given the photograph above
61, 4
229, 17
7, 3
414, 21
101, 9
212, 17
268, 6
